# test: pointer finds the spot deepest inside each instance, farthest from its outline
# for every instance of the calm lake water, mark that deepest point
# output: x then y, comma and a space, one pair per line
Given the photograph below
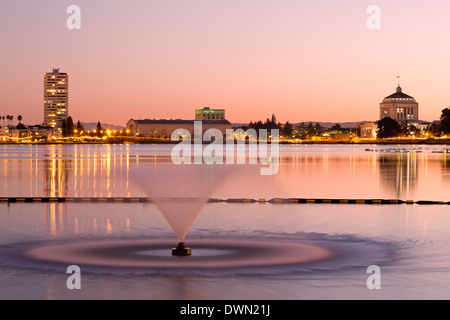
410, 243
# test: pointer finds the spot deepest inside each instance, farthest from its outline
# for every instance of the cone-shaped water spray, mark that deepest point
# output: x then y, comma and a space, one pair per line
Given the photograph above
180, 191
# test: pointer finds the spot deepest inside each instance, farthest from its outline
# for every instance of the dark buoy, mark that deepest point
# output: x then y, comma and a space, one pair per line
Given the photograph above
181, 250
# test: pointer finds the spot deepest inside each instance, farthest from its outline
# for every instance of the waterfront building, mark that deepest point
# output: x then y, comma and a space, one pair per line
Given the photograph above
368, 130
400, 106
56, 98
207, 114
164, 128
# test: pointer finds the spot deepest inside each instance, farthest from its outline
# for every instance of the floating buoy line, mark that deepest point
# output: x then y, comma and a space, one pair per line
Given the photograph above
215, 200
408, 150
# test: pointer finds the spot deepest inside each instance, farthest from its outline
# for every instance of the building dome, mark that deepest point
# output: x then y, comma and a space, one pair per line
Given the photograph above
399, 106
399, 95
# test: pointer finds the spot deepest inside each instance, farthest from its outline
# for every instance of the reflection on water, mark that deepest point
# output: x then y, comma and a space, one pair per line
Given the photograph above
55, 173
56, 178
399, 173
61, 219
445, 165
410, 243
56, 218
305, 171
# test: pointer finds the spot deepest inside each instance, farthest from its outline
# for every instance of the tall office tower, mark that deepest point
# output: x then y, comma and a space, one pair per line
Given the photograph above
56, 98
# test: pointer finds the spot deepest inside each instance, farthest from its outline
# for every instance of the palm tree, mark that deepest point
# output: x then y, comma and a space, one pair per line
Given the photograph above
20, 125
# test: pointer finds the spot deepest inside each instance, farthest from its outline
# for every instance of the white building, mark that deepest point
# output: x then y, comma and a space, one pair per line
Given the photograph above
368, 130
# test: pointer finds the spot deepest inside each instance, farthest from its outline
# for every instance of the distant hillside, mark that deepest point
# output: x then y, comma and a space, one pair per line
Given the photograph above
330, 124
93, 125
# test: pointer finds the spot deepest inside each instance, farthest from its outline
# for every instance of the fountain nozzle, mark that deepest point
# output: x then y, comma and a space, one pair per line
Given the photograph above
181, 250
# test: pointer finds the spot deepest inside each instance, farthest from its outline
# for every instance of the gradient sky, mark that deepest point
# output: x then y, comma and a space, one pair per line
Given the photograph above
302, 60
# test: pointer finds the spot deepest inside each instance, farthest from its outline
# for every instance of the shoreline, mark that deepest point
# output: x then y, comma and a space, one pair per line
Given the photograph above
160, 141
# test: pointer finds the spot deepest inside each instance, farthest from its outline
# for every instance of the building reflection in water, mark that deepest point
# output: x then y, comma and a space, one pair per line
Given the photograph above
93, 175
80, 174
56, 177
399, 173
445, 166
80, 218
56, 216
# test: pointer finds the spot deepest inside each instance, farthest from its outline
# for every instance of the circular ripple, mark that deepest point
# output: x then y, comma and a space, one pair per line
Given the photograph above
157, 253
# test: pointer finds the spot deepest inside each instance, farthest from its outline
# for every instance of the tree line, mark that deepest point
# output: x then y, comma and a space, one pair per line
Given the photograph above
69, 129
11, 118
303, 131
390, 128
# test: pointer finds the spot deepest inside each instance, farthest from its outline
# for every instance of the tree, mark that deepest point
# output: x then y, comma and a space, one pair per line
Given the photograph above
445, 121
80, 127
69, 126
408, 130
64, 127
99, 129
9, 118
336, 127
388, 128
434, 129
318, 128
288, 130
274, 119
310, 131
268, 125
20, 125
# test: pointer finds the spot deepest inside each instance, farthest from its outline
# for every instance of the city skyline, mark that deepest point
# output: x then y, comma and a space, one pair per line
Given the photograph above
303, 61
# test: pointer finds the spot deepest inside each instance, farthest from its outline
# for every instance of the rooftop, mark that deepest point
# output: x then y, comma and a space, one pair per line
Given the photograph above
399, 95
178, 121
55, 72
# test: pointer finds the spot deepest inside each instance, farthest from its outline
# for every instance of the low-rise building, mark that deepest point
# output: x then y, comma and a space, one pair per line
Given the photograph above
33, 133
368, 130
207, 114
164, 128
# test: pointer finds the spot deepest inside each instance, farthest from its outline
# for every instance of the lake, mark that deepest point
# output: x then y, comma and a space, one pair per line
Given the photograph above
240, 250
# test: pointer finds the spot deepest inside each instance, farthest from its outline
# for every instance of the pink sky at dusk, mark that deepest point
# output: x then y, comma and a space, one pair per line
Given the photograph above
302, 60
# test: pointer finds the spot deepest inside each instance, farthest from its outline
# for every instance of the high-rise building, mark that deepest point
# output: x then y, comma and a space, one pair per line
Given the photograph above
207, 114
400, 106
56, 98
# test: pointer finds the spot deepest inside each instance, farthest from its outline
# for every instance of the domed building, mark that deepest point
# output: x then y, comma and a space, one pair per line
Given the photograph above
400, 106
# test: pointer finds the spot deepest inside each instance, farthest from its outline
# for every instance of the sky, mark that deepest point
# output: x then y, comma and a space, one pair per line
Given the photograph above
302, 60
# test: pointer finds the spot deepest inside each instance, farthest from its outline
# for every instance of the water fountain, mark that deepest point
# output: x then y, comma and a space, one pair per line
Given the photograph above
180, 192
